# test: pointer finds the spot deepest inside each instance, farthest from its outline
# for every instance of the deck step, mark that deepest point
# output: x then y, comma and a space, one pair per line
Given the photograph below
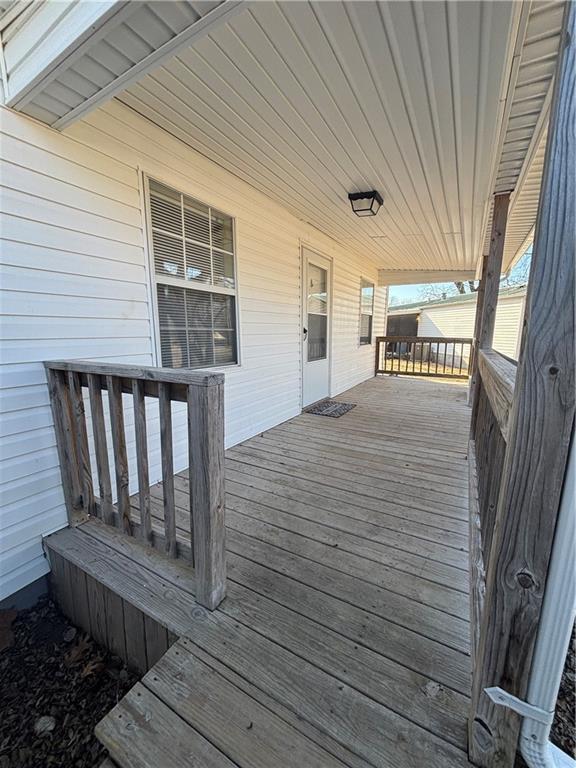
185, 707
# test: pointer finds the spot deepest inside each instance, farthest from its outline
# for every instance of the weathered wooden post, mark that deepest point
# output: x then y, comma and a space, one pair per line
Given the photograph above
487, 299
540, 428
206, 446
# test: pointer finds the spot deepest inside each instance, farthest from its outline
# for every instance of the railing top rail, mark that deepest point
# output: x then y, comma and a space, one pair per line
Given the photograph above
498, 375
142, 373
434, 339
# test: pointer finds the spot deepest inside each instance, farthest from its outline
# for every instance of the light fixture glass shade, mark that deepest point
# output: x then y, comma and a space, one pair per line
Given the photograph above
365, 203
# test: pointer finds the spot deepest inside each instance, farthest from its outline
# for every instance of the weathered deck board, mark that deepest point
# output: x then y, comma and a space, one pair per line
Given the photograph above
345, 632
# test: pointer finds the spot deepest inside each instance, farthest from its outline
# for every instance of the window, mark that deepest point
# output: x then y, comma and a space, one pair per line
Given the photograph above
366, 311
193, 257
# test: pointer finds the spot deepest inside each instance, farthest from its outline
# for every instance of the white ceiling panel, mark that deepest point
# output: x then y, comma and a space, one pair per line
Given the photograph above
310, 101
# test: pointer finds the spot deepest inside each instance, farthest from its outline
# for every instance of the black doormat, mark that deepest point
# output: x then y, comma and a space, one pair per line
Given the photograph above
330, 408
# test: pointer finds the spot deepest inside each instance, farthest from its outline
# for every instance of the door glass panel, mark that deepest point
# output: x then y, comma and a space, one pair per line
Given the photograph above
317, 301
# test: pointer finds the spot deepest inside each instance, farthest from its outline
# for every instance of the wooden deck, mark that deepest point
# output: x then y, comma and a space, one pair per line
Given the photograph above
344, 637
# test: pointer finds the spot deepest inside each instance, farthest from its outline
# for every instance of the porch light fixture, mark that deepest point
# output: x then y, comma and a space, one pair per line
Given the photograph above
365, 203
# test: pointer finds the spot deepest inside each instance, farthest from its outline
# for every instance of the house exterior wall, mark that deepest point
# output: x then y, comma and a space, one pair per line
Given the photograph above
457, 320
75, 284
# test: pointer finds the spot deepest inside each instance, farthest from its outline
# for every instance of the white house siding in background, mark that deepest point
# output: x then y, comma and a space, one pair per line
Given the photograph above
457, 320
75, 284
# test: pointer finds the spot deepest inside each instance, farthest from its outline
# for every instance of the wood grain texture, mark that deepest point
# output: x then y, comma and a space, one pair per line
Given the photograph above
230, 719
82, 450
142, 460
120, 455
477, 570
165, 406
490, 448
65, 444
142, 731
324, 624
498, 379
100, 447
206, 468
541, 426
491, 271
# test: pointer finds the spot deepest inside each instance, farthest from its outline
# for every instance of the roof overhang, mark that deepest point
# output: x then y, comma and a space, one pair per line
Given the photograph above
436, 106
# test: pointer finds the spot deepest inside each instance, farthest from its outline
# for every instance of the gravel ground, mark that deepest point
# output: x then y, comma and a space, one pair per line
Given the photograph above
55, 685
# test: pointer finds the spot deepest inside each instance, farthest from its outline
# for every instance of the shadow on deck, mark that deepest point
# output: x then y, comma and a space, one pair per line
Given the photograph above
344, 636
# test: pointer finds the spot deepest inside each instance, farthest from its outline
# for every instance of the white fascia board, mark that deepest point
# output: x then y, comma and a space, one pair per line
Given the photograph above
65, 38
415, 277
198, 29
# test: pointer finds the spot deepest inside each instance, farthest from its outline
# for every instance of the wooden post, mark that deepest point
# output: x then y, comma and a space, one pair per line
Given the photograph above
65, 445
541, 423
488, 293
206, 447
142, 460
477, 324
100, 447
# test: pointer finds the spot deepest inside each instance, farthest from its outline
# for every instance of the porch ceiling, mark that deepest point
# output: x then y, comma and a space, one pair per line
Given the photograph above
310, 101
435, 104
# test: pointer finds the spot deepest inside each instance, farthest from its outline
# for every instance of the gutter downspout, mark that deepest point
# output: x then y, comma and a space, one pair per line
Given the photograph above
555, 631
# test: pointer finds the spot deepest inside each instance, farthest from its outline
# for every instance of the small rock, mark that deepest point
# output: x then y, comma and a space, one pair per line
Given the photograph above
45, 724
69, 634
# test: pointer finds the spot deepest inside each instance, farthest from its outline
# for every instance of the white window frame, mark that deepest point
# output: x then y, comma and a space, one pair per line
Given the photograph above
153, 281
363, 281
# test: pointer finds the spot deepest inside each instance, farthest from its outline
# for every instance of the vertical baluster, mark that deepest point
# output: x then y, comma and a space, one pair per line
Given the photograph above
120, 457
206, 466
445, 353
453, 356
101, 447
461, 358
437, 357
142, 460
165, 404
83, 452
65, 442
413, 356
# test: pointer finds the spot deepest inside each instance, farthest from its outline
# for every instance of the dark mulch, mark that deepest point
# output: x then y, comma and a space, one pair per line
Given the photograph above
55, 685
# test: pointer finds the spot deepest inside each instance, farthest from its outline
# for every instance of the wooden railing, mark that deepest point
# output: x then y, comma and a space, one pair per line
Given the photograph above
424, 356
486, 454
203, 393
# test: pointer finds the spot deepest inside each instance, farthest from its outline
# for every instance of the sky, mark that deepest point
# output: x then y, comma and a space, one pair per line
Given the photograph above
406, 294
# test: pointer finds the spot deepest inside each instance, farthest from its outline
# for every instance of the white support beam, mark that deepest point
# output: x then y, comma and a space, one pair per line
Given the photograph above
417, 277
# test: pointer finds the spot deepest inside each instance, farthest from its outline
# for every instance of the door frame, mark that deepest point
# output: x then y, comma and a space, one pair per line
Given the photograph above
304, 246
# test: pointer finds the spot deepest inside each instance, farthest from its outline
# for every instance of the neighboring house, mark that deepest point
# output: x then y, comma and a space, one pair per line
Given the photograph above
454, 317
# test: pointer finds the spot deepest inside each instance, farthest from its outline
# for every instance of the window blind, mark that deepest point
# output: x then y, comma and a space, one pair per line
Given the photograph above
193, 255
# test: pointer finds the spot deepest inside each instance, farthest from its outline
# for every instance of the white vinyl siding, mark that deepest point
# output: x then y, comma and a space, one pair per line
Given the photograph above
457, 320
76, 283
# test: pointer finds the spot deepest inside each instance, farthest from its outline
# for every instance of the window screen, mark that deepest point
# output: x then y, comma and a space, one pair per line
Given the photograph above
193, 254
366, 311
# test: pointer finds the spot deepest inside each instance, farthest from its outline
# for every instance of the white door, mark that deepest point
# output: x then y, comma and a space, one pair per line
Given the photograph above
317, 301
